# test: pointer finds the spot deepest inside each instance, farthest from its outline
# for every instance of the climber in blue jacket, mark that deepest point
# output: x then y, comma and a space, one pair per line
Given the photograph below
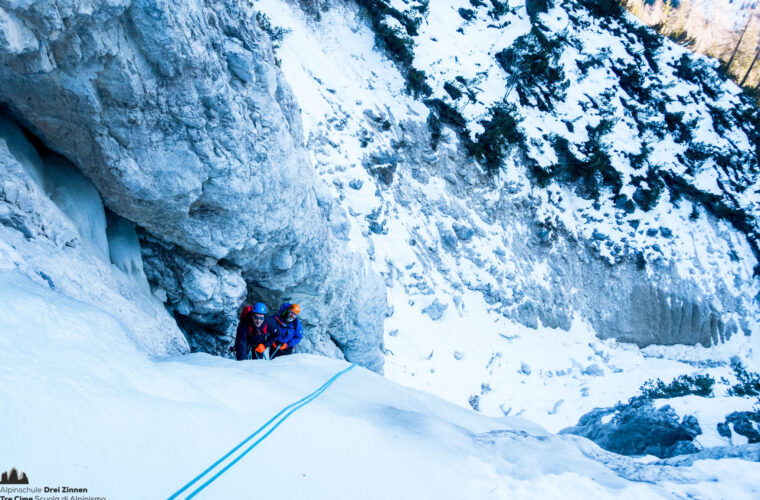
289, 329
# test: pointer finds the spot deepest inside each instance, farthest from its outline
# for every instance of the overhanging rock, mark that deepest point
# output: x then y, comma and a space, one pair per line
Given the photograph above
179, 115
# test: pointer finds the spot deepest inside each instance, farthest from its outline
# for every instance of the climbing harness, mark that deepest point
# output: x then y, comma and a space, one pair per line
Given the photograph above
281, 416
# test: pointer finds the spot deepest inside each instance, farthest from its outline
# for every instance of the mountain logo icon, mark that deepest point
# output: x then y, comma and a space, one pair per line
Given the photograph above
14, 477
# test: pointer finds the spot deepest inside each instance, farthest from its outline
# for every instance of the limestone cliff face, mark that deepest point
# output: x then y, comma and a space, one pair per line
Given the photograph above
540, 272
178, 114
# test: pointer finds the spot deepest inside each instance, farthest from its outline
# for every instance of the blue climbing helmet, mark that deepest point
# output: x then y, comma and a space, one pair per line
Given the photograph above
259, 308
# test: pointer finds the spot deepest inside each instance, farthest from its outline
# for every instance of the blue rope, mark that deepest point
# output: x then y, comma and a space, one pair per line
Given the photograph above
293, 407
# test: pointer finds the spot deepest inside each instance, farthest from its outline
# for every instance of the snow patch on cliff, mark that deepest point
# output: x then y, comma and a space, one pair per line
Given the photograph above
452, 249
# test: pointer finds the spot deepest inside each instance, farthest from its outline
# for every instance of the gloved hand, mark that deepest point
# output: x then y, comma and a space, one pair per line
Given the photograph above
260, 348
283, 346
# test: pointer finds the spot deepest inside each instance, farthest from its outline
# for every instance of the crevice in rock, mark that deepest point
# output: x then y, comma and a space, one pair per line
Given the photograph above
203, 295
204, 337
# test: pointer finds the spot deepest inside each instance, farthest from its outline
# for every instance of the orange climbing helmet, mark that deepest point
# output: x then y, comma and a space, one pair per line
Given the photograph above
288, 307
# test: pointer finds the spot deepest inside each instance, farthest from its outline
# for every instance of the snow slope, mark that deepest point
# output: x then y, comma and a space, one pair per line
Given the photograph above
89, 410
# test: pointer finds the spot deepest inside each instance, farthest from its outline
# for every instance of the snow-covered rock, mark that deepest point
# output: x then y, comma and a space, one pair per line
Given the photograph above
639, 430
198, 292
178, 114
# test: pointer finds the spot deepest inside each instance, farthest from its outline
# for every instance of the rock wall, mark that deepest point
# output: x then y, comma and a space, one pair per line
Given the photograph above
538, 272
177, 112
632, 304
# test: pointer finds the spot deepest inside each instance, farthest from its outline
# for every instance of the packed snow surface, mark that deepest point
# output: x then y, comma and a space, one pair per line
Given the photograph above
90, 410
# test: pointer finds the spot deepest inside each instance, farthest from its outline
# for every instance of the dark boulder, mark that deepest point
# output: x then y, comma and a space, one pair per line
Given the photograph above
746, 423
639, 429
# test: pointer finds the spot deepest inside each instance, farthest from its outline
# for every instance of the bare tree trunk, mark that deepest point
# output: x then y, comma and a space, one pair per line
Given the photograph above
739, 42
751, 65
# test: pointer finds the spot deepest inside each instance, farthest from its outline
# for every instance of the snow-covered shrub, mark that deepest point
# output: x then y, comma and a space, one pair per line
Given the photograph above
387, 23
381, 10
536, 7
697, 72
276, 33
603, 8
471, 95
684, 385
633, 81
651, 42
593, 61
399, 47
720, 118
532, 62
443, 113
682, 131
747, 117
748, 382
648, 189
466, 14
451, 89
434, 124
592, 169
498, 9
500, 132
315, 7
416, 84
448, 114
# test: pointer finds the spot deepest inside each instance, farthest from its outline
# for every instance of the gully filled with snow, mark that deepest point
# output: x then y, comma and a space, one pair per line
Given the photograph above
163, 163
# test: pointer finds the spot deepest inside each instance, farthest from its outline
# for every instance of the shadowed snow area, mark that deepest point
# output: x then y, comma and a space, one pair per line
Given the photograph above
105, 416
